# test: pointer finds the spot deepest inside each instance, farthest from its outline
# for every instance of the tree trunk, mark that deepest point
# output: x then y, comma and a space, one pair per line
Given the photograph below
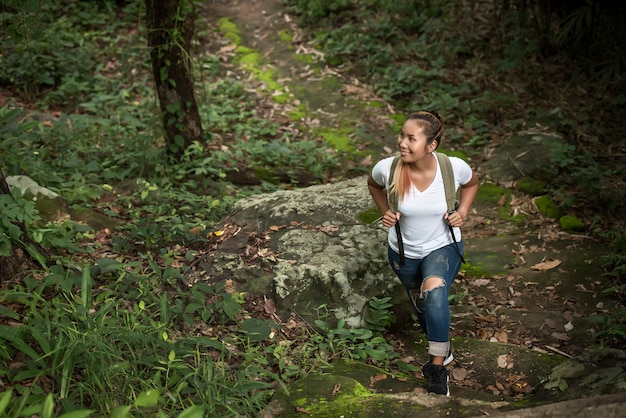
170, 27
19, 261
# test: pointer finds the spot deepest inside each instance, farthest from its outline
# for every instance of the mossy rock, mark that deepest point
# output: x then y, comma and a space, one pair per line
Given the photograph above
369, 216
490, 194
548, 207
530, 186
571, 224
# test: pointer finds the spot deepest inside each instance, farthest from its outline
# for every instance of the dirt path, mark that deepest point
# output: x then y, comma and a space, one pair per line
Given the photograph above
535, 285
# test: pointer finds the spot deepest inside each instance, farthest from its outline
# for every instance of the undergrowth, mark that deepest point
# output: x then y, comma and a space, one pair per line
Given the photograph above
111, 325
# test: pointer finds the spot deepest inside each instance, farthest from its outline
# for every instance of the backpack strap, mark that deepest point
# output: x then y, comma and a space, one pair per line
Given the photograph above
393, 197
452, 197
448, 181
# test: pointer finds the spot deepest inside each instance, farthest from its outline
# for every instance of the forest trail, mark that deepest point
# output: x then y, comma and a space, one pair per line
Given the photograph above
535, 286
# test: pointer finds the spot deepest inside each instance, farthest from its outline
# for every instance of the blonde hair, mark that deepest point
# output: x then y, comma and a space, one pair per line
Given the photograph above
432, 125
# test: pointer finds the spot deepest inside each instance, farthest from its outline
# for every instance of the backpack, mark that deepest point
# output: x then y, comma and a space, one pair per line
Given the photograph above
452, 197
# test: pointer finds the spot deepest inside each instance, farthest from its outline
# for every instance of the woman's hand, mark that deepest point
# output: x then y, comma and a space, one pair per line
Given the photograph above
390, 218
454, 219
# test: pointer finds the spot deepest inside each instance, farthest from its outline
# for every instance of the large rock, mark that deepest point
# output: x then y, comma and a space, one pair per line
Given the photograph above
316, 251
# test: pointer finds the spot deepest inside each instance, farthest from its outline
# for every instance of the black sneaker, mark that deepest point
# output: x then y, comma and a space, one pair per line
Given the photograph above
438, 380
427, 366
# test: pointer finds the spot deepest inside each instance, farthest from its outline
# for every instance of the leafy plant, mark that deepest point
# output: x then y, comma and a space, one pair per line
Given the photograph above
363, 344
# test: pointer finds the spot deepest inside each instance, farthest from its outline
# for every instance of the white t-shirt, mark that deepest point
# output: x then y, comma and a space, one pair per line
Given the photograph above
423, 227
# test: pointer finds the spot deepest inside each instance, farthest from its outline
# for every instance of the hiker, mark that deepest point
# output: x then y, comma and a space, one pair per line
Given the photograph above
425, 248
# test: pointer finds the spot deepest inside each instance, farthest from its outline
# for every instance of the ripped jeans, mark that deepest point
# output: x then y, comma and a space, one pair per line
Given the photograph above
431, 307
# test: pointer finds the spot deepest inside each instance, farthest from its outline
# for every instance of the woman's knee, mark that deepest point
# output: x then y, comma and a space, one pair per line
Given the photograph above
431, 283
435, 292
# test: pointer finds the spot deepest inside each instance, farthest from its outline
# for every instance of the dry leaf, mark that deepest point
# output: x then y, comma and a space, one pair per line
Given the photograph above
269, 306
336, 389
546, 265
560, 336
502, 337
377, 378
329, 228
228, 48
550, 323
459, 374
505, 361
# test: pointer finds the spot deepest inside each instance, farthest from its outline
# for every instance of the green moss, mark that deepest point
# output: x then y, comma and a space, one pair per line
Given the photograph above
490, 194
531, 186
331, 83
368, 216
307, 59
285, 36
230, 30
298, 113
375, 104
483, 268
547, 207
571, 224
504, 212
252, 61
338, 138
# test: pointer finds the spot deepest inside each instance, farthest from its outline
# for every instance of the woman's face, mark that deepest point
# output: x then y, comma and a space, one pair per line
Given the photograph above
412, 142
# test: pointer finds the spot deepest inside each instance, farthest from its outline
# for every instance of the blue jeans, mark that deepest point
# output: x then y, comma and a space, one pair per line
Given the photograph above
431, 307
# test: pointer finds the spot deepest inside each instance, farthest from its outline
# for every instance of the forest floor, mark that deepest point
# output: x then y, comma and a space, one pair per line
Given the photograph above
537, 285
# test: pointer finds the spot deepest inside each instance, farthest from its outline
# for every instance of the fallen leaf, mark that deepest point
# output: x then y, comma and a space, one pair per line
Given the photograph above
546, 265
228, 48
550, 323
459, 374
329, 228
336, 389
505, 361
560, 336
269, 307
502, 337
377, 378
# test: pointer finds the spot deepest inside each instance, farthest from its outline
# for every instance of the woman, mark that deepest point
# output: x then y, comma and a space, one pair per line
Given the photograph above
428, 256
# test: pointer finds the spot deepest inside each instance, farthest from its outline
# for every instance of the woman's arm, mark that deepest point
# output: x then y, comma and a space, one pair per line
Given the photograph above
468, 194
379, 194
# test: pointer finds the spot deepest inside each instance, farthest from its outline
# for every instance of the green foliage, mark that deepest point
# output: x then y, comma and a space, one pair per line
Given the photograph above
611, 327
579, 173
380, 316
97, 347
14, 211
367, 343
49, 45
